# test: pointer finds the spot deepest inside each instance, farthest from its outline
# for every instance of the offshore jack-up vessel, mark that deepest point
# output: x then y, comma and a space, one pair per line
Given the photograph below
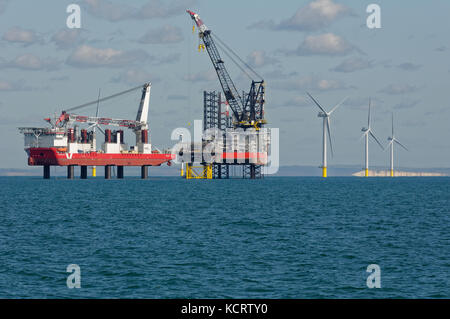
63, 144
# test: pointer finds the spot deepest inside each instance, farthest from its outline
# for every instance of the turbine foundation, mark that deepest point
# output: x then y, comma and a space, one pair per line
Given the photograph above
324, 171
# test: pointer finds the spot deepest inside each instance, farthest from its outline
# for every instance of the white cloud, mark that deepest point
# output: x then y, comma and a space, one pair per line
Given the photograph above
203, 76
324, 85
406, 104
135, 76
60, 78
113, 12
31, 62
86, 56
13, 86
108, 10
353, 64
408, 66
3, 5
171, 58
66, 38
395, 89
299, 101
162, 9
278, 73
316, 15
259, 58
362, 103
6, 86
310, 83
324, 44
19, 35
163, 35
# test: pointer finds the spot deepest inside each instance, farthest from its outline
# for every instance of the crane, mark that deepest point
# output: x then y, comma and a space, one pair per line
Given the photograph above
139, 124
248, 110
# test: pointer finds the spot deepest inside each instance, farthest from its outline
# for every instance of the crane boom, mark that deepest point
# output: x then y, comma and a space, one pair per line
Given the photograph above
139, 124
103, 121
248, 110
102, 99
229, 89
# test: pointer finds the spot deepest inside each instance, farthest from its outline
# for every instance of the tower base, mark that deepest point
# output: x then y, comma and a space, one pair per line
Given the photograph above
324, 171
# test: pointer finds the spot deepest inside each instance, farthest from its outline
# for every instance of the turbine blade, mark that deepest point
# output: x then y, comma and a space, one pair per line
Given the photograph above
364, 134
98, 101
368, 119
387, 147
101, 130
371, 134
317, 103
329, 136
400, 144
334, 108
392, 124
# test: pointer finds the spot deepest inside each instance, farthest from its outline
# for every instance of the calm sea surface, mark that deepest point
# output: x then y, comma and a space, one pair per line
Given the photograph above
272, 238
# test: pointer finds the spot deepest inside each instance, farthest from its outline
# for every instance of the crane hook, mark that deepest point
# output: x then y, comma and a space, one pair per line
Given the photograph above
201, 47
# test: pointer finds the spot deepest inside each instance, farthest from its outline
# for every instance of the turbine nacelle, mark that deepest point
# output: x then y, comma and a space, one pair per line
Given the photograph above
321, 114
392, 138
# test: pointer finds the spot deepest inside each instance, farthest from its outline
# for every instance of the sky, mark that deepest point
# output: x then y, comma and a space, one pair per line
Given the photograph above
322, 46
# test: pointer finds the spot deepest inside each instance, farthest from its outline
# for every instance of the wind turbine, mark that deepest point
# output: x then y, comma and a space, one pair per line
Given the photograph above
392, 140
368, 131
326, 131
94, 142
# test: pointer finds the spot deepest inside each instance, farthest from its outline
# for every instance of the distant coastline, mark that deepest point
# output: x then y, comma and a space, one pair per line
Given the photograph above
386, 173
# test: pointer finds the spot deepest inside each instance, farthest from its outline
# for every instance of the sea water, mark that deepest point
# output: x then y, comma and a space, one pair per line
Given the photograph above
292, 237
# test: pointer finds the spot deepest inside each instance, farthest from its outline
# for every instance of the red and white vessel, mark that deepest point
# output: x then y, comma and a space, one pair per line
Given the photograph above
64, 144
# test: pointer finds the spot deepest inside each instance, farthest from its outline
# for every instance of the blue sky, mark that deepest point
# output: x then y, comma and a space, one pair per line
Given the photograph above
320, 46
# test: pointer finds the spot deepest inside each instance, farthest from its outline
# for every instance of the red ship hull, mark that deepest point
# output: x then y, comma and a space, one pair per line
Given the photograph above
39, 156
51, 156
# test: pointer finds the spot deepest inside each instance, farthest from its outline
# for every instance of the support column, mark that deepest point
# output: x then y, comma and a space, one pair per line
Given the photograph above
70, 171
120, 172
83, 174
208, 171
392, 158
324, 171
252, 171
46, 171
366, 169
188, 170
324, 150
107, 171
144, 172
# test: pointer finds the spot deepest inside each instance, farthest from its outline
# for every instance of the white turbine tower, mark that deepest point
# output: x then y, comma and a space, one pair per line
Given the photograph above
392, 140
326, 131
368, 131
